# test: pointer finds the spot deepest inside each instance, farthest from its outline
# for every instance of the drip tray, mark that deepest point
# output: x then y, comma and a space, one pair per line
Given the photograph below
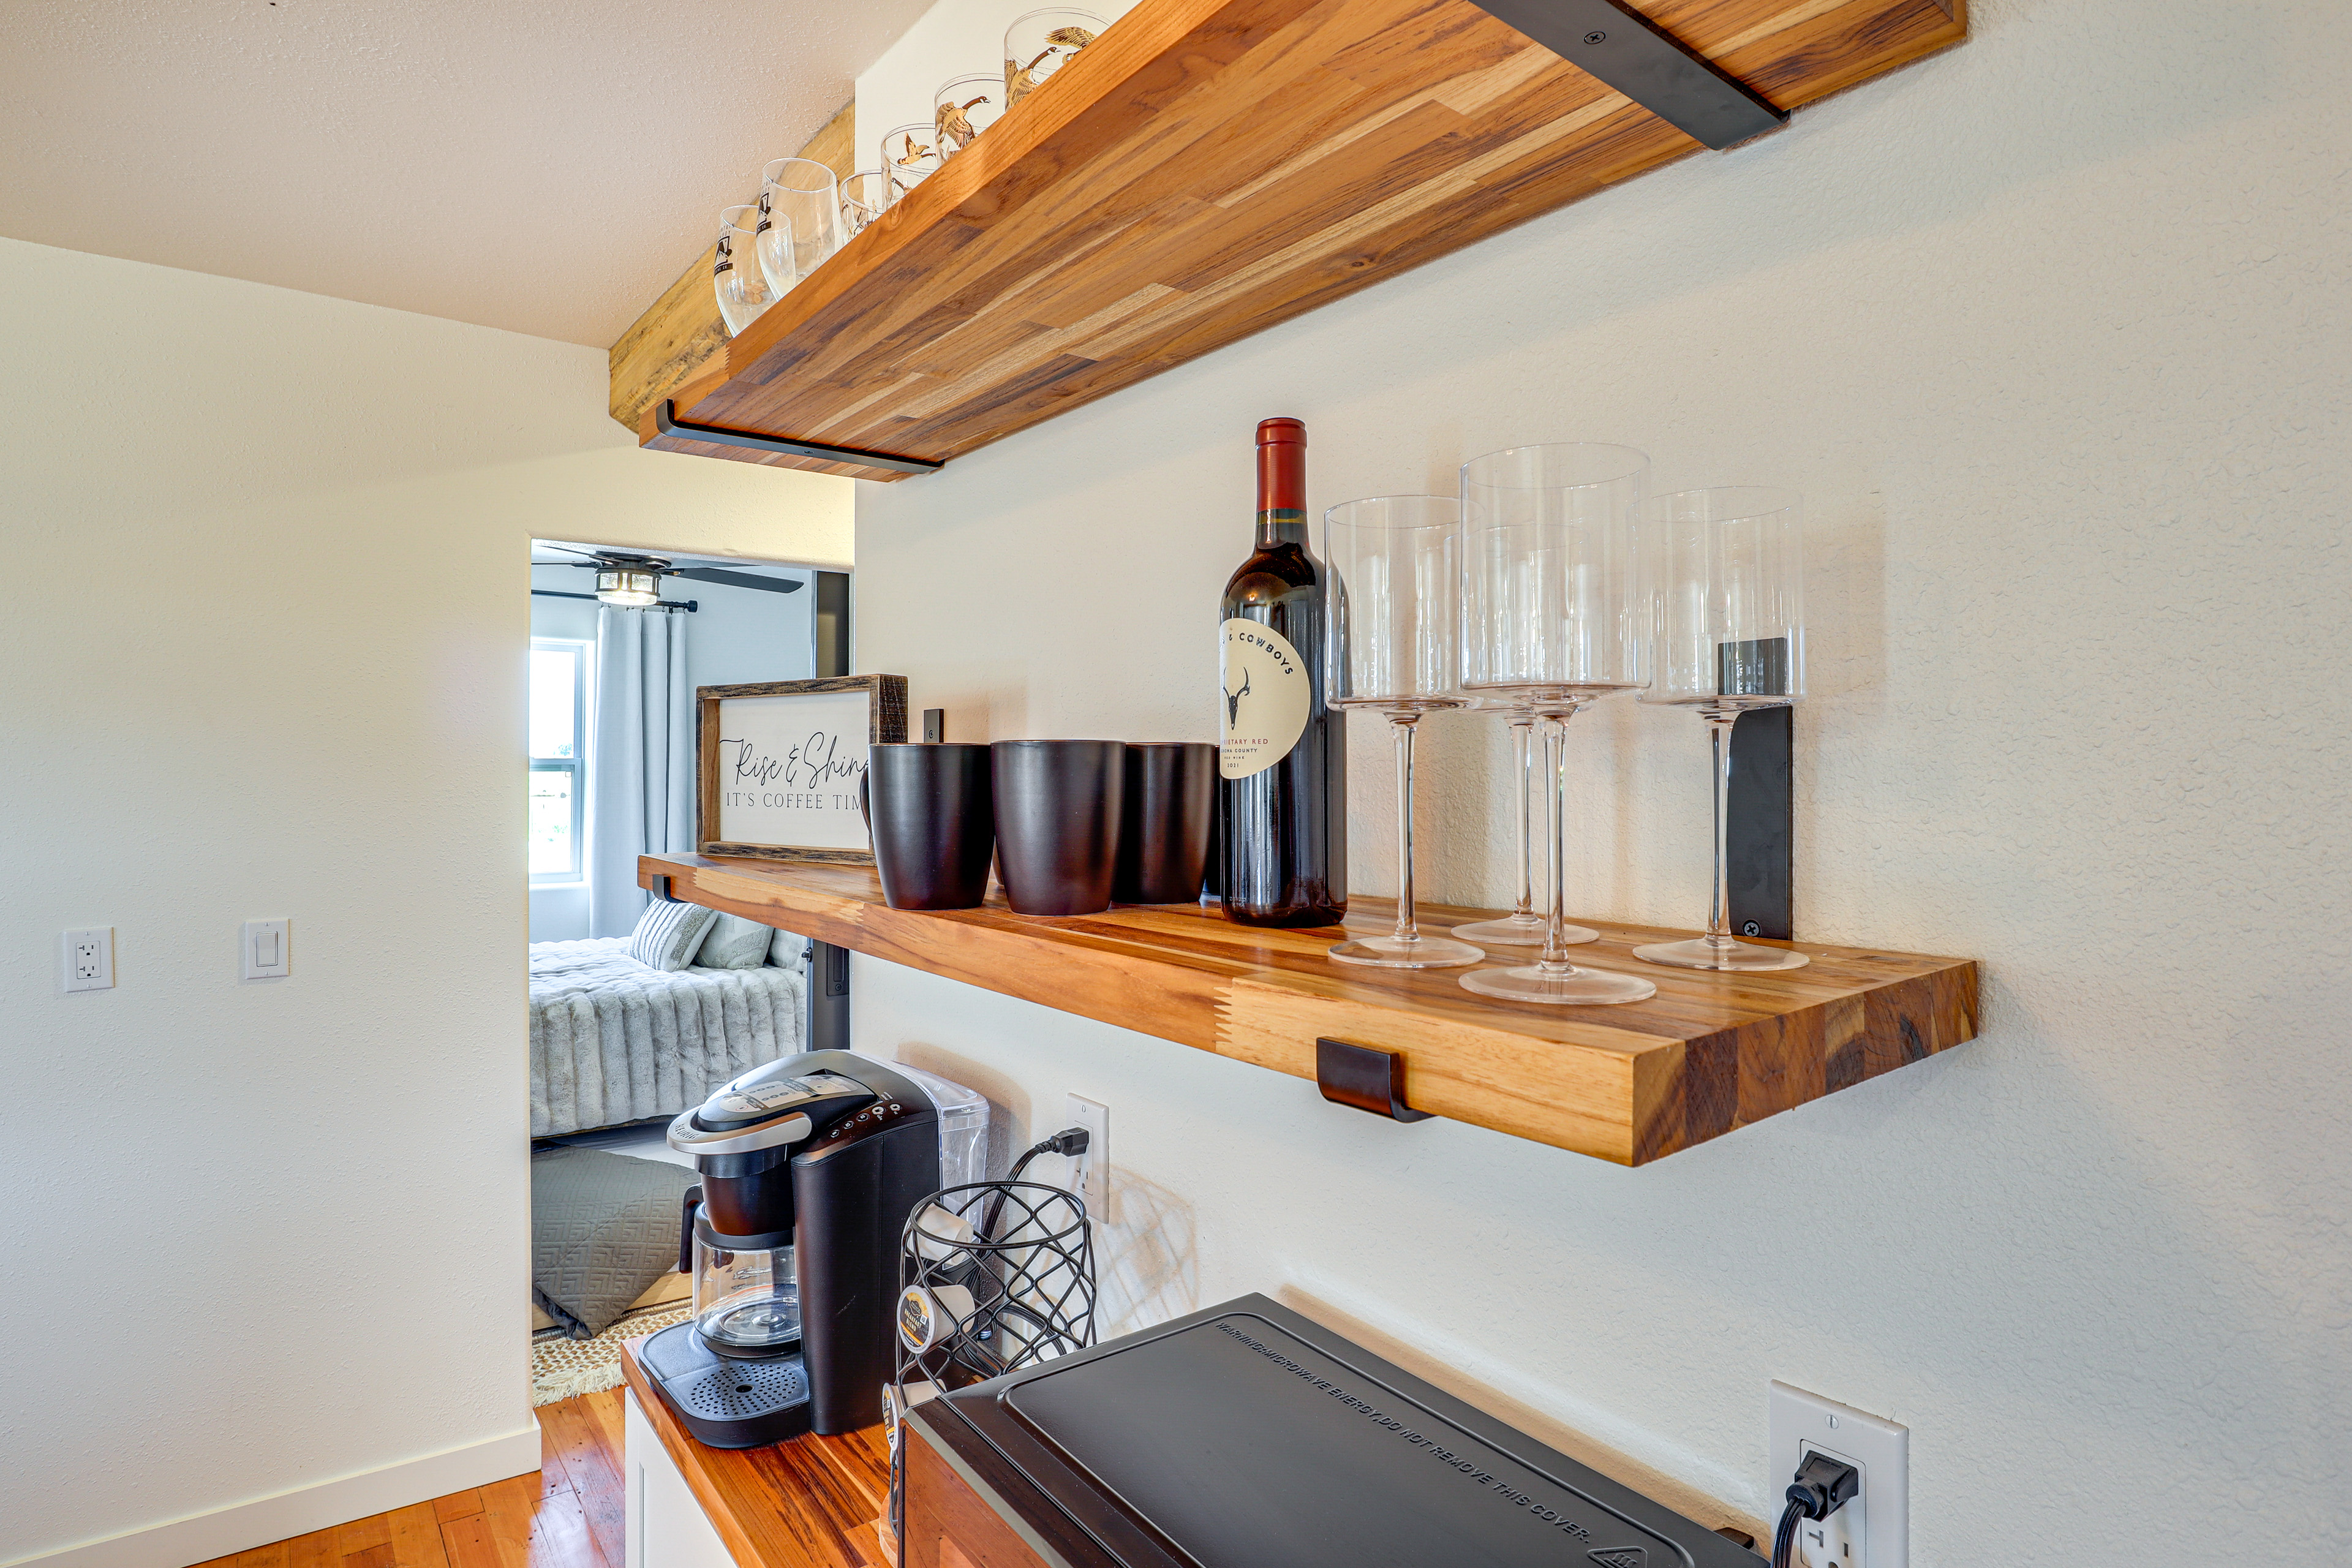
727, 1403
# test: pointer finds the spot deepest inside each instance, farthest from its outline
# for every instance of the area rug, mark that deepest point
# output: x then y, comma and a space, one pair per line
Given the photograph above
562, 1368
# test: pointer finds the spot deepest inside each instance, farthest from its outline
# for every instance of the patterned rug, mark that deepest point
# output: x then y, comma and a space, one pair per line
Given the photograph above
562, 1367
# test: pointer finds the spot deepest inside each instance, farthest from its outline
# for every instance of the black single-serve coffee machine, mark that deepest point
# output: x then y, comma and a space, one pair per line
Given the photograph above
809, 1167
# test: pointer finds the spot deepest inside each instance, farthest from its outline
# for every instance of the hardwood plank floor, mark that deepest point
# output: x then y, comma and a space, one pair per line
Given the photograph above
568, 1515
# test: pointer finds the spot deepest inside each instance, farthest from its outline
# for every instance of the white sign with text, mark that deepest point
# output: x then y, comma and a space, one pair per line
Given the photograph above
789, 769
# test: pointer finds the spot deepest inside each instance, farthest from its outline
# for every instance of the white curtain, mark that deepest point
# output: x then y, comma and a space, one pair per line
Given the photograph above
640, 759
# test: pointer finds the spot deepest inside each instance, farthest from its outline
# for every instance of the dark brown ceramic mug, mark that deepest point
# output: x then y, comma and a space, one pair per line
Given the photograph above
1057, 819
930, 809
1167, 805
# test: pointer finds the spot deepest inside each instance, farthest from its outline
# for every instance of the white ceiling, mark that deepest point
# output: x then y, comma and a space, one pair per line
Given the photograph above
546, 168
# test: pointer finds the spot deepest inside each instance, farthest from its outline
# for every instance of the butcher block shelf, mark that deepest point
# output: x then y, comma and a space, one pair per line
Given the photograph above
1204, 169
1710, 1053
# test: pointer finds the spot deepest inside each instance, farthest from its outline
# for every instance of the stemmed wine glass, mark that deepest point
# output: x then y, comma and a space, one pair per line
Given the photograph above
1395, 608
1522, 927
1548, 536
736, 277
1728, 627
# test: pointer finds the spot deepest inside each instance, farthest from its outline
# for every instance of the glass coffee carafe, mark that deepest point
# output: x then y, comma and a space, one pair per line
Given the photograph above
746, 1303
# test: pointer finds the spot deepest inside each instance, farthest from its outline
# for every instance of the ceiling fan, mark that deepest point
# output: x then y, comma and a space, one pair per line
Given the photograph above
634, 581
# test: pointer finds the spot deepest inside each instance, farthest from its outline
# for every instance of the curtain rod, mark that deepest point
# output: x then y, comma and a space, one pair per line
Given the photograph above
689, 606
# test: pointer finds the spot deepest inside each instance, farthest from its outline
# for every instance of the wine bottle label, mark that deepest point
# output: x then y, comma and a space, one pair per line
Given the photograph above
1268, 694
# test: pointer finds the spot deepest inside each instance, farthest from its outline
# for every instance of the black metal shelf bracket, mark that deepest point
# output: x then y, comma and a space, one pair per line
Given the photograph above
1625, 50
661, 891
1368, 1079
668, 423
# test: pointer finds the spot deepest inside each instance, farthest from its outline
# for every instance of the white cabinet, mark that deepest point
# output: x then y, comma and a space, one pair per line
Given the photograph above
668, 1528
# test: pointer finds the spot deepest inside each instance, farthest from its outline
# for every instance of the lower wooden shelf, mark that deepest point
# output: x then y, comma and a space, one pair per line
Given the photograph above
1709, 1054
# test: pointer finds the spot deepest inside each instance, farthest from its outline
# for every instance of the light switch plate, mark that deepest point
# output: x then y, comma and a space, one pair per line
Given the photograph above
265, 953
1880, 1534
86, 958
1091, 1172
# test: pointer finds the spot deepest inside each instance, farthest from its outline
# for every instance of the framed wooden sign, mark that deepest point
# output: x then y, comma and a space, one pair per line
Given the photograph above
782, 762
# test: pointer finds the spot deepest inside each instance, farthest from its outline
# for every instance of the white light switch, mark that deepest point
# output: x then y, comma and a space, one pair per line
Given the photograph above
266, 955
86, 958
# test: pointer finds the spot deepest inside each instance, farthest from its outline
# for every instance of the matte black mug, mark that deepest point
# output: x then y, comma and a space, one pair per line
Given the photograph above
1058, 815
930, 808
1163, 836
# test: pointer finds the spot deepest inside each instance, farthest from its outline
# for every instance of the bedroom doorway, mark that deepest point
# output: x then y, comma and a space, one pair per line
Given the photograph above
639, 1009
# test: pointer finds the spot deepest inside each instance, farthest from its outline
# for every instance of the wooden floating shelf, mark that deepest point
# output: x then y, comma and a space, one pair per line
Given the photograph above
1204, 169
1709, 1054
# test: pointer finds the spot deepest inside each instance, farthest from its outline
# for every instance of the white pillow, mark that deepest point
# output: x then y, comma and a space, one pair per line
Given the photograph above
667, 934
789, 951
734, 942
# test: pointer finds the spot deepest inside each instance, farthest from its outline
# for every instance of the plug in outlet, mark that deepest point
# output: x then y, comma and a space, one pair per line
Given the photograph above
1091, 1172
86, 958
1872, 1530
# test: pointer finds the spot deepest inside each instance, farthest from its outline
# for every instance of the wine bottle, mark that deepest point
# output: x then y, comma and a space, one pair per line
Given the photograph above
1282, 789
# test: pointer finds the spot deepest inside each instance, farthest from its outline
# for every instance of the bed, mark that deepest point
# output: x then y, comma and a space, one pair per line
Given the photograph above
614, 1040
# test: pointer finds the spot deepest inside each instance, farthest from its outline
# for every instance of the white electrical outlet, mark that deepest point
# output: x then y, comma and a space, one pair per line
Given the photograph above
1091, 1172
1872, 1530
86, 958
264, 950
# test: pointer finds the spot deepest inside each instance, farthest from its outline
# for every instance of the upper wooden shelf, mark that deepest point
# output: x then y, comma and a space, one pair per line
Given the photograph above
1631, 1084
1206, 169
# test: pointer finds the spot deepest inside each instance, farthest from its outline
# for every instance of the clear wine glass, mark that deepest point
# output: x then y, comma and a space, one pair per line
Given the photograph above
964, 107
909, 155
1726, 591
806, 192
735, 274
1551, 622
1040, 43
1396, 603
1522, 927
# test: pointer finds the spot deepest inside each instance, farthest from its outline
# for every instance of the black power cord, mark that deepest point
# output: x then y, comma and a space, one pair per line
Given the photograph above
1069, 1143
1823, 1486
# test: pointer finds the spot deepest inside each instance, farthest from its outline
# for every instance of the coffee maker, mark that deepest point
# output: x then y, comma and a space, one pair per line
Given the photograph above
809, 1167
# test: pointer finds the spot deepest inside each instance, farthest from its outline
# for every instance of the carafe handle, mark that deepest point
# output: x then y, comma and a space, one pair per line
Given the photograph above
685, 1231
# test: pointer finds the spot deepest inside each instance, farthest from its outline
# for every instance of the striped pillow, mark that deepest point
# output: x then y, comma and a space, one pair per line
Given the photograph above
667, 934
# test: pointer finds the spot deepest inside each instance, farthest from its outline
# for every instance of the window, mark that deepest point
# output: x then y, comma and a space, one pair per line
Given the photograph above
559, 736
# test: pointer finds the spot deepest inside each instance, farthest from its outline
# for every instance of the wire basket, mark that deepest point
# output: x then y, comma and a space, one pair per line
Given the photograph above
995, 1277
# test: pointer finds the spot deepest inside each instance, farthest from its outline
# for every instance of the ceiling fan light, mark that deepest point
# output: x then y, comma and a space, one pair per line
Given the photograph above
628, 588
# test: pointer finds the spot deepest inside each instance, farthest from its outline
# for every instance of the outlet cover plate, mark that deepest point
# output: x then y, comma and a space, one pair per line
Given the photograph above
86, 958
1802, 1423
1091, 1172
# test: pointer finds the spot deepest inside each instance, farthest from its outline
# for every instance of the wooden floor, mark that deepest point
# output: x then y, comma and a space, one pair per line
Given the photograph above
569, 1515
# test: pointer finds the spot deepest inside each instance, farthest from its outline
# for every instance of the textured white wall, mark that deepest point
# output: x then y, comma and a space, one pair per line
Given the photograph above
265, 657
2051, 330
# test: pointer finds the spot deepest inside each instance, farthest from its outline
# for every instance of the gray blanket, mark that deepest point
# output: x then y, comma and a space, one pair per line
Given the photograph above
603, 1227
612, 1040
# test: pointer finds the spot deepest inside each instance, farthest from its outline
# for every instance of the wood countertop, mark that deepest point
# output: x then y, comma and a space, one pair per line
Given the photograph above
813, 1502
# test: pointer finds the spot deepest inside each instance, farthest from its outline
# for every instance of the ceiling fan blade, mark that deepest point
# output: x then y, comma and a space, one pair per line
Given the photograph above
542, 544
737, 579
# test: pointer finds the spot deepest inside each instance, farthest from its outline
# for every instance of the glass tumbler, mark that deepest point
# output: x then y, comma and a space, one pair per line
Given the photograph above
863, 198
1726, 592
910, 154
1040, 43
735, 273
800, 201
963, 109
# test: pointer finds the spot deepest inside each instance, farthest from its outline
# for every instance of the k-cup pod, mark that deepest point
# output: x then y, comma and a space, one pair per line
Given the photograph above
931, 1314
897, 1401
940, 1236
